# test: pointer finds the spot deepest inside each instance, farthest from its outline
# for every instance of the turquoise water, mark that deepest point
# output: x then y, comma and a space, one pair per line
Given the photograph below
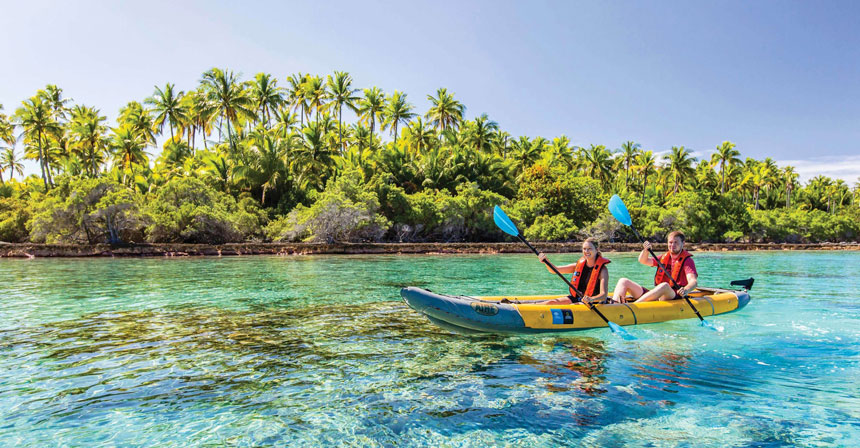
301, 351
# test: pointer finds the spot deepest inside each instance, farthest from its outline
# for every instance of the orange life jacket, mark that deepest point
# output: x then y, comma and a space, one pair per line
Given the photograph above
677, 269
592, 288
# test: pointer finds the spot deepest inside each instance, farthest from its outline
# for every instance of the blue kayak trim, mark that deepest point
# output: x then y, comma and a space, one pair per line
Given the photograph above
466, 312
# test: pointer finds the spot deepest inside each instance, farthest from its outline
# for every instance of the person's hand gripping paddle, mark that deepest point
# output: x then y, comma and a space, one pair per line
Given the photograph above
508, 227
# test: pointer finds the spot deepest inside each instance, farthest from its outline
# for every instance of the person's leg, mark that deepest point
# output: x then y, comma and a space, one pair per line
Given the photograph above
557, 301
626, 286
662, 292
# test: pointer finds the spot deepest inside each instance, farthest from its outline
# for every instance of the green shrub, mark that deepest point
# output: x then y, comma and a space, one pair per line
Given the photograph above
186, 210
14, 214
87, 211
553, 191
346, 211
551, 228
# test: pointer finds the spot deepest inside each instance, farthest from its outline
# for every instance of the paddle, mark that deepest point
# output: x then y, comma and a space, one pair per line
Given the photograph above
508, 227
619, 211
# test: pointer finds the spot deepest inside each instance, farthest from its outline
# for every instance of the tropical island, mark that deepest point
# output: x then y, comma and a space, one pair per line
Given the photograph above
261, 161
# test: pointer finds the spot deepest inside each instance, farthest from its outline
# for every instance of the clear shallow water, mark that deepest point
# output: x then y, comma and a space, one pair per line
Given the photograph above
259, 351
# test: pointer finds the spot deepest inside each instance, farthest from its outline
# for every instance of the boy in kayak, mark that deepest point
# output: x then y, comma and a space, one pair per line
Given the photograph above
592, 285
677, 261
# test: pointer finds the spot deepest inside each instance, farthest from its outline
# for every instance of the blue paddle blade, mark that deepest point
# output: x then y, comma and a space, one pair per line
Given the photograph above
504, 222
710, 326
619, 210
620, 331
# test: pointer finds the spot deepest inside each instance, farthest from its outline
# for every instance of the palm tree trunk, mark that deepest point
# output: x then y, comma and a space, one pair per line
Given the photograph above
644, 187
722, 180
340, 126
42, 159
627, 177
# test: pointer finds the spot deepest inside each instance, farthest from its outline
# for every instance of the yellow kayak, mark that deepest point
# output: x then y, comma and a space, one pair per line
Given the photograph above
520, 313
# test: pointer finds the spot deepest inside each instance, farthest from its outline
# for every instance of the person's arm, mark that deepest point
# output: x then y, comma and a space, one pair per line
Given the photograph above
692, 277
645, 256
566, 269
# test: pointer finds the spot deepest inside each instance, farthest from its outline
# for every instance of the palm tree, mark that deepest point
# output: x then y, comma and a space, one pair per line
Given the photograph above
284, 121
560, 150
316, 94
419, 136
230, 100
139, 120
201, 113
53, 97
645, 166
313, 160
499, 142
446, 112
629, 151
361, 138
268, 166
266, 95
36, 119
397, 110
836, 194
598, 162
7, 129
87, 133
128, 148
296, 95
789, 177
726, 155
371, 106
706, 177
855, 190
342, 94
680, 166
480, 133
759, 176
168, 108
524, 154
10, 162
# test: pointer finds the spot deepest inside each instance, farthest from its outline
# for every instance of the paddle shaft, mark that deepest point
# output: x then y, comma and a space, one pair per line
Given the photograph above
667, 274
578, 294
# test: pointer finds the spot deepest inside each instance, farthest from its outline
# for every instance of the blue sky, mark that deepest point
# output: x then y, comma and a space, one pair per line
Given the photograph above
778, 78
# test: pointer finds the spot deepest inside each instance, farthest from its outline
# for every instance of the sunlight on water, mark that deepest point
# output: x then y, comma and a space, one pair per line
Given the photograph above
321, 350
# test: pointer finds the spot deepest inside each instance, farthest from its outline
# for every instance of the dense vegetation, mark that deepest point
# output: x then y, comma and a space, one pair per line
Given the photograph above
255, 160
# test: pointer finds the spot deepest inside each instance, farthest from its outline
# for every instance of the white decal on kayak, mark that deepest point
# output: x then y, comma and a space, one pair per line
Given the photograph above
487, 309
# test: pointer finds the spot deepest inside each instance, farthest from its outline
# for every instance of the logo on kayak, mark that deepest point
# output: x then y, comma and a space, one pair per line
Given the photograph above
561, 316
487, 309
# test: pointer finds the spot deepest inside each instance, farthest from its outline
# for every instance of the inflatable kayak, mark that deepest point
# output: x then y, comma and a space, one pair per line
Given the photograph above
521, 314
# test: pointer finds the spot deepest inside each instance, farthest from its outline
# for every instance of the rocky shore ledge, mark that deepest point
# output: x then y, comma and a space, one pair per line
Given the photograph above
27, 250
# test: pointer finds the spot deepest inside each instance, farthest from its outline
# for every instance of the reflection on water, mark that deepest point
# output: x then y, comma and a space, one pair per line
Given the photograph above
213, 352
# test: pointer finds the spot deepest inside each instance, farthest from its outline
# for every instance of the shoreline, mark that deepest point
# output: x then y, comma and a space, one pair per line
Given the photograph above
31, 250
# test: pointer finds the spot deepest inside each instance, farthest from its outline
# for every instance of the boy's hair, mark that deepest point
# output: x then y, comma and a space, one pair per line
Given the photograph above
672, 235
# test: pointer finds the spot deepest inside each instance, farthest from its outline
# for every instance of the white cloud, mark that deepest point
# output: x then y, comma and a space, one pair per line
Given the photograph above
846, 168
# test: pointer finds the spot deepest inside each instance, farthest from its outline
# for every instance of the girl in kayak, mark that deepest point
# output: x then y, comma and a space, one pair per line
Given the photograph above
590, 275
